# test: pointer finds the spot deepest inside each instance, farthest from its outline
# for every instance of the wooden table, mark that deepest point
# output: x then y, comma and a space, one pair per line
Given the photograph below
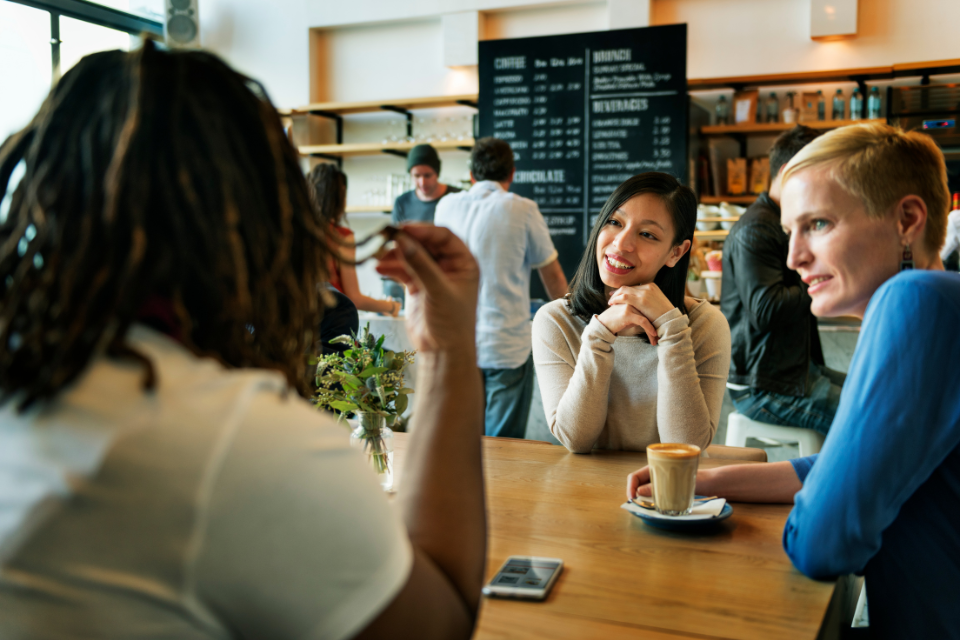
621, 578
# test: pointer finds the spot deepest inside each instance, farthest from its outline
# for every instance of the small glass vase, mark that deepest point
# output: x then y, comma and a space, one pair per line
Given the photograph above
374, 438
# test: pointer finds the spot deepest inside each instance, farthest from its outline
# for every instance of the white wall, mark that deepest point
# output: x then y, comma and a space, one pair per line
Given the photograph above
392, 48
334, 13
268, 41
746, 37
398, 60
384, 58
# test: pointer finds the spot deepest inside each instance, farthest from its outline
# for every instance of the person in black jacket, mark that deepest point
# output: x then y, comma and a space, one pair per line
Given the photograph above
339, 319
777, 373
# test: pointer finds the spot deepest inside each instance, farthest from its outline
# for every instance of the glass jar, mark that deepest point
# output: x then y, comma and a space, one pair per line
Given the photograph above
839, 105
873, 103
374, 438
773, 108
722, 111
856, 105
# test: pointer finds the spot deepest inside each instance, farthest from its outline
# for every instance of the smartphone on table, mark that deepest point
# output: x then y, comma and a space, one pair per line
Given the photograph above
525, 578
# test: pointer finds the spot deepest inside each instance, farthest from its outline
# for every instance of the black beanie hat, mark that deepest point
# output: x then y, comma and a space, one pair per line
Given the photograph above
423, 154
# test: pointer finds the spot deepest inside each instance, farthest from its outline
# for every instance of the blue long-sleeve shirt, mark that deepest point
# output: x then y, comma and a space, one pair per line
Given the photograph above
883, 498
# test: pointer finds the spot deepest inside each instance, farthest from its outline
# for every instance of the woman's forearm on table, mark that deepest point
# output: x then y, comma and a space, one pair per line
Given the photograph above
774, 482
441, 493
575, 397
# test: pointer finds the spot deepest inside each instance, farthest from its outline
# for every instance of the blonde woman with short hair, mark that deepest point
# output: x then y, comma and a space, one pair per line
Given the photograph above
865, 207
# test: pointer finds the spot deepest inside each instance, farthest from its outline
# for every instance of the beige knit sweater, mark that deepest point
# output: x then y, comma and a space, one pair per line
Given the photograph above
607, 392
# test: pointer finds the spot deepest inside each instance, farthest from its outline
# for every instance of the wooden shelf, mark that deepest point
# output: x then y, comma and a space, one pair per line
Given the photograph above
865, 74
926, 68
376, 148
369, 208
748, 199
730, 219
806, 77
773, 128
693, 84
706, 236
372, 106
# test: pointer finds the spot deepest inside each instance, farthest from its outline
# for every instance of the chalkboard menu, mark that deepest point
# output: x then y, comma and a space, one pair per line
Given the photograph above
584, 112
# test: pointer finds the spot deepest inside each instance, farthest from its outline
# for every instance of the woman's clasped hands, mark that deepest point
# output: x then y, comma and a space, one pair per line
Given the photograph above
632, 310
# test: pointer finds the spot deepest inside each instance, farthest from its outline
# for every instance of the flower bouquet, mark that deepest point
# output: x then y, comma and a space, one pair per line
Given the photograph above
366, 380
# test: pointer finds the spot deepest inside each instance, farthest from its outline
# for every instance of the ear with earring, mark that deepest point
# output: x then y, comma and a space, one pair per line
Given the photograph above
906, 262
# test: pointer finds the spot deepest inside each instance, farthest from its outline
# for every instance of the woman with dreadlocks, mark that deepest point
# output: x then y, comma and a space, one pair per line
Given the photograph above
328, 186
159, 268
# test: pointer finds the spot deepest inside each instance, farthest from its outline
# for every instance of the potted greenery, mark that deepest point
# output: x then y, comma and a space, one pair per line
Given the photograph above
366, 380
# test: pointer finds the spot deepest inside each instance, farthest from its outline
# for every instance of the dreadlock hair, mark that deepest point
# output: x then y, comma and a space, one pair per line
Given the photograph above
587, 297
328, 189
154, 174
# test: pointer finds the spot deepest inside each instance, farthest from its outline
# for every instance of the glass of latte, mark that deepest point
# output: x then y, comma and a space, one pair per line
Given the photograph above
673, 473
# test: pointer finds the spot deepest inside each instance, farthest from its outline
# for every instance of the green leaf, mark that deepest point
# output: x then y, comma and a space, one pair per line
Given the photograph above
383, 401
400, 404
351, 380
342, 340
380, 341
343, 406
372, 371
405, 390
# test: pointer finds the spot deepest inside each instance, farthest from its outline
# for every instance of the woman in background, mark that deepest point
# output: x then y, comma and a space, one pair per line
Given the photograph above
328, 186
625, 359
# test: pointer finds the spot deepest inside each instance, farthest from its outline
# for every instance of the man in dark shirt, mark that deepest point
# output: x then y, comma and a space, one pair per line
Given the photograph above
420, 204
777, 374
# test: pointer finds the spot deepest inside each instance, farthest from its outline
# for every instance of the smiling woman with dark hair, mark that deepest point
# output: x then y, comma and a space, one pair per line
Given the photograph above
625, 360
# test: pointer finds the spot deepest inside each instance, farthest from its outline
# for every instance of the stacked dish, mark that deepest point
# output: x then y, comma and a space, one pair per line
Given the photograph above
728, 210
704, 213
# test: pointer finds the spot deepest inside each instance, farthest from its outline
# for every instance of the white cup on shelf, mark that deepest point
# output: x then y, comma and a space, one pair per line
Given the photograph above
730, 211
704, 213
712, 280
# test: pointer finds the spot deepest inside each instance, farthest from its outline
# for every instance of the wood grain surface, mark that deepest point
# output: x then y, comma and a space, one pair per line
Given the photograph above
621, 578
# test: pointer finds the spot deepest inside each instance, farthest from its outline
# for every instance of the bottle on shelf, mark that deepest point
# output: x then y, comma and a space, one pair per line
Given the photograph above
839, 106
856, 105
821, 106
773, 108
789, 111
723, 111
873, 103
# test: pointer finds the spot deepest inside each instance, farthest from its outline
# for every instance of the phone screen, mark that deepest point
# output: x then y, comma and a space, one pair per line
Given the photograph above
523, 573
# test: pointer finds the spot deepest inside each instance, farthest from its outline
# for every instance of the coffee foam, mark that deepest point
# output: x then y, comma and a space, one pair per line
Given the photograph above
668, 450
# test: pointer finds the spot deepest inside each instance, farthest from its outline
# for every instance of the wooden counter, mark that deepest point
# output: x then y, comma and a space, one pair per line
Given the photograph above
621, 578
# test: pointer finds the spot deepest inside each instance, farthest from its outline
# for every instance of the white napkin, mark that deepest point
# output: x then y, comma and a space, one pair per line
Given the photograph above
700, 511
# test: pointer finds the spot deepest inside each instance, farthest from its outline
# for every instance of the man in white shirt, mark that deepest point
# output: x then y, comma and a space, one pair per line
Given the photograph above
509, 237
951, 247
